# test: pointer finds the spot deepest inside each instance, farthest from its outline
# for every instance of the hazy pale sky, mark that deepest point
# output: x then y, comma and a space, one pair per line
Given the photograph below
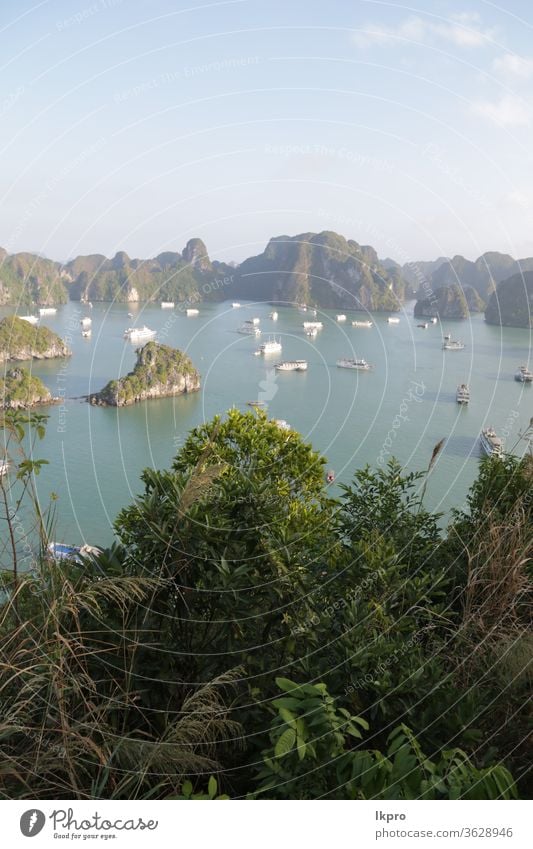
136, 124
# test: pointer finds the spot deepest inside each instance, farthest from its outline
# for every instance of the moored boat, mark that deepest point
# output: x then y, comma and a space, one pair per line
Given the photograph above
86, 322
360, 365
235, 305
31, 319
462, 395
259, 404
393, 320
292, 365
524, 375
313, 325
192, 311
312, 332
340, 317
249, 329
424, 325
47, 311
86, 332
139, 334
362, 323
167, 305
273, 346
453, 345
491, 444
273, 316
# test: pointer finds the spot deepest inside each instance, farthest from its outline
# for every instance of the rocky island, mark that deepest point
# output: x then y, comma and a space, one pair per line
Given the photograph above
20, 340
512, 303
450, 302
21, 390
160, 371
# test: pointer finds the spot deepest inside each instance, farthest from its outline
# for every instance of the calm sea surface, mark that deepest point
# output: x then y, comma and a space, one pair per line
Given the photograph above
404, 406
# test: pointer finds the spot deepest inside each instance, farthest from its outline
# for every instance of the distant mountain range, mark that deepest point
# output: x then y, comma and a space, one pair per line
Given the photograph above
319, 269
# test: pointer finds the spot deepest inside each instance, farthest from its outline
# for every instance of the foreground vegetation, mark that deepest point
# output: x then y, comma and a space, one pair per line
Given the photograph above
250, 636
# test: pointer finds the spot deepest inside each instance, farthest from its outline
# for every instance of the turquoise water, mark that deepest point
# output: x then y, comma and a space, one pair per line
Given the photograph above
96, 455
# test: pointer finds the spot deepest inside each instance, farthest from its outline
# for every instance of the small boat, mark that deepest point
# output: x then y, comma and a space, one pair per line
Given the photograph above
255, 320
340, 317
47, 311
31, 319
312, 332
273, 316
310, 325
424, 326
360, 365
524, 375
433, 319
139, 334
302, 308
235, 305
292, 365
130, 315
453, 345
167, 305
90, 305
313, 313
4, 467
393, 320
491, 444
86, 322
362, 324
191, 312
87, 333
273, 346
259, 404
62, 551
249, 329
282, 424
463, 394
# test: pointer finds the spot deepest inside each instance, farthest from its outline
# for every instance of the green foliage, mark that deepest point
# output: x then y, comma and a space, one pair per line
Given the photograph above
314, 753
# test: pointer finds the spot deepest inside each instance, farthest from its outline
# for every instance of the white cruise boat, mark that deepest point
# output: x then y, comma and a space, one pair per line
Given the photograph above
167, 305
47, 311
463, 394
313, 325
86, 322
235, 305
491, 444
340, 317
393, 320
31, 319
524, 375
139, 334
362, 324
273, 316
273, 346
191, 312
360, 365
292, 365
249, 329
453, 345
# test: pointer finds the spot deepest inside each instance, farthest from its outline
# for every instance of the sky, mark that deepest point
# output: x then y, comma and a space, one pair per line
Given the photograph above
137, 124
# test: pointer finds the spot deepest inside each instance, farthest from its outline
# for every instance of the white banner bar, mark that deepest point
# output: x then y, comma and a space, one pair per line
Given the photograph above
267, 824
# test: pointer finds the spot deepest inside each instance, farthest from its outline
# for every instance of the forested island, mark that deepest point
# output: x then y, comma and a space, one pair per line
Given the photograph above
21, 390
319, 269
249, 636
160, 372
20, 340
